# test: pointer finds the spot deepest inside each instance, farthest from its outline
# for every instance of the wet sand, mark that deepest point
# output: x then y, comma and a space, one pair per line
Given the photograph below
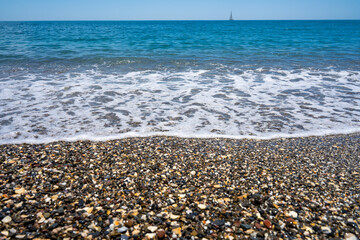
168, 187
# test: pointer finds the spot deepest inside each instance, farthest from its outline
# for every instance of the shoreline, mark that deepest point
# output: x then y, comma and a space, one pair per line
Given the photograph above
88, 137
163, 187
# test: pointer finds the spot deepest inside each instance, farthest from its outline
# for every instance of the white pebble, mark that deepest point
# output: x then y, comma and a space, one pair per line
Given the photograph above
6, 219
350, 236
293, 214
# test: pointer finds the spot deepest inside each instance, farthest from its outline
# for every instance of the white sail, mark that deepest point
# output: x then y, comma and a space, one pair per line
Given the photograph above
231, 17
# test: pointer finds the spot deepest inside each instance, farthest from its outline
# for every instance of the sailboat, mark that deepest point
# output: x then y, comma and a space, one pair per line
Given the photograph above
231, 17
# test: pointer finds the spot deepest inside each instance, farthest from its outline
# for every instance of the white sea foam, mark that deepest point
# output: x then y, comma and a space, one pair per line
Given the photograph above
196, 103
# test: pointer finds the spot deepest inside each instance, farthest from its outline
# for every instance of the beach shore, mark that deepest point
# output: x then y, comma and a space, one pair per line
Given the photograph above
169, 187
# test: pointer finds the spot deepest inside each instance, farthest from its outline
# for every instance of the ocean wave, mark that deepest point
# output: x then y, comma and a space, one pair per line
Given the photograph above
220, 102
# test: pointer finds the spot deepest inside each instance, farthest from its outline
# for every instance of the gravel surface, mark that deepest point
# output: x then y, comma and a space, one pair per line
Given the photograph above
168, 187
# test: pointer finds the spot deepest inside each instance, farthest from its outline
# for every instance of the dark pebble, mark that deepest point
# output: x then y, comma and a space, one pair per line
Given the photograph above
53, 226
218, 223
161, 234
245, 226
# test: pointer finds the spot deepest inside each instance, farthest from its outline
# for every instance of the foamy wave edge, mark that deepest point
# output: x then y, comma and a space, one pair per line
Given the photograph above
90, 137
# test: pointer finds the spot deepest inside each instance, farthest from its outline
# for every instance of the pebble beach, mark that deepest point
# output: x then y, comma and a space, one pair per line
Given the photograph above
182, 188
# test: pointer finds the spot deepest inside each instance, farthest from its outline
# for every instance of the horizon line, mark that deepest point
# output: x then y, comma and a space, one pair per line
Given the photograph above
124, 20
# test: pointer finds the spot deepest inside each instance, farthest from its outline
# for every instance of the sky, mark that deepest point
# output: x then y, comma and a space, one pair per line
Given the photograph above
20, 10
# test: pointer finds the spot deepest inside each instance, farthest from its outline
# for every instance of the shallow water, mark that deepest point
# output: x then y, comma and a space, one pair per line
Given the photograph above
101, 80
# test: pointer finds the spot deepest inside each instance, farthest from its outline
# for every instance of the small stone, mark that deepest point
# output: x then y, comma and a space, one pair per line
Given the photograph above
194, 233
177, 231
60, 211
268, 224
237, 224
218, 223
20, 236
308, 229
94, 227
245, 226
350, 236
122, 230
229, 237
20, 191
326, 230
89, 209
193, 173
129, 223
152, 228
124, 237
53, 226
47, 215
202, 206
293, 214
173, 216
5, 233
136, 232
134, 213
290, 220
6, 219
150, 235
258, 226
249, 231
161, 234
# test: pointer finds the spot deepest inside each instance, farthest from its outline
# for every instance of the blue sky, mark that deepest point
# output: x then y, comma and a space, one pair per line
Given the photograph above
177, 9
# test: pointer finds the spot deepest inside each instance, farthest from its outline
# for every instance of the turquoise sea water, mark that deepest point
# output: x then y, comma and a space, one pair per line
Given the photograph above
100, 80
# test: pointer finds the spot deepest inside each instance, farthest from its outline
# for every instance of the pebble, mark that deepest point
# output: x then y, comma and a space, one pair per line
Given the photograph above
293, 214
129, 223
124, 237
174, 217
237, 224
122, 230
202, 206
258, 226
268, 224
245, 226
161, 233
150, 235
326, 230
152, 228
89, 209
6, 219
135, 188
20, 191
249, 231
177, 231
350, 236
136, 232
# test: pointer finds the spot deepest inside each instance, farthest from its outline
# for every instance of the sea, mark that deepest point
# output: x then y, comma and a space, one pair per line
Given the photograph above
102, 80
